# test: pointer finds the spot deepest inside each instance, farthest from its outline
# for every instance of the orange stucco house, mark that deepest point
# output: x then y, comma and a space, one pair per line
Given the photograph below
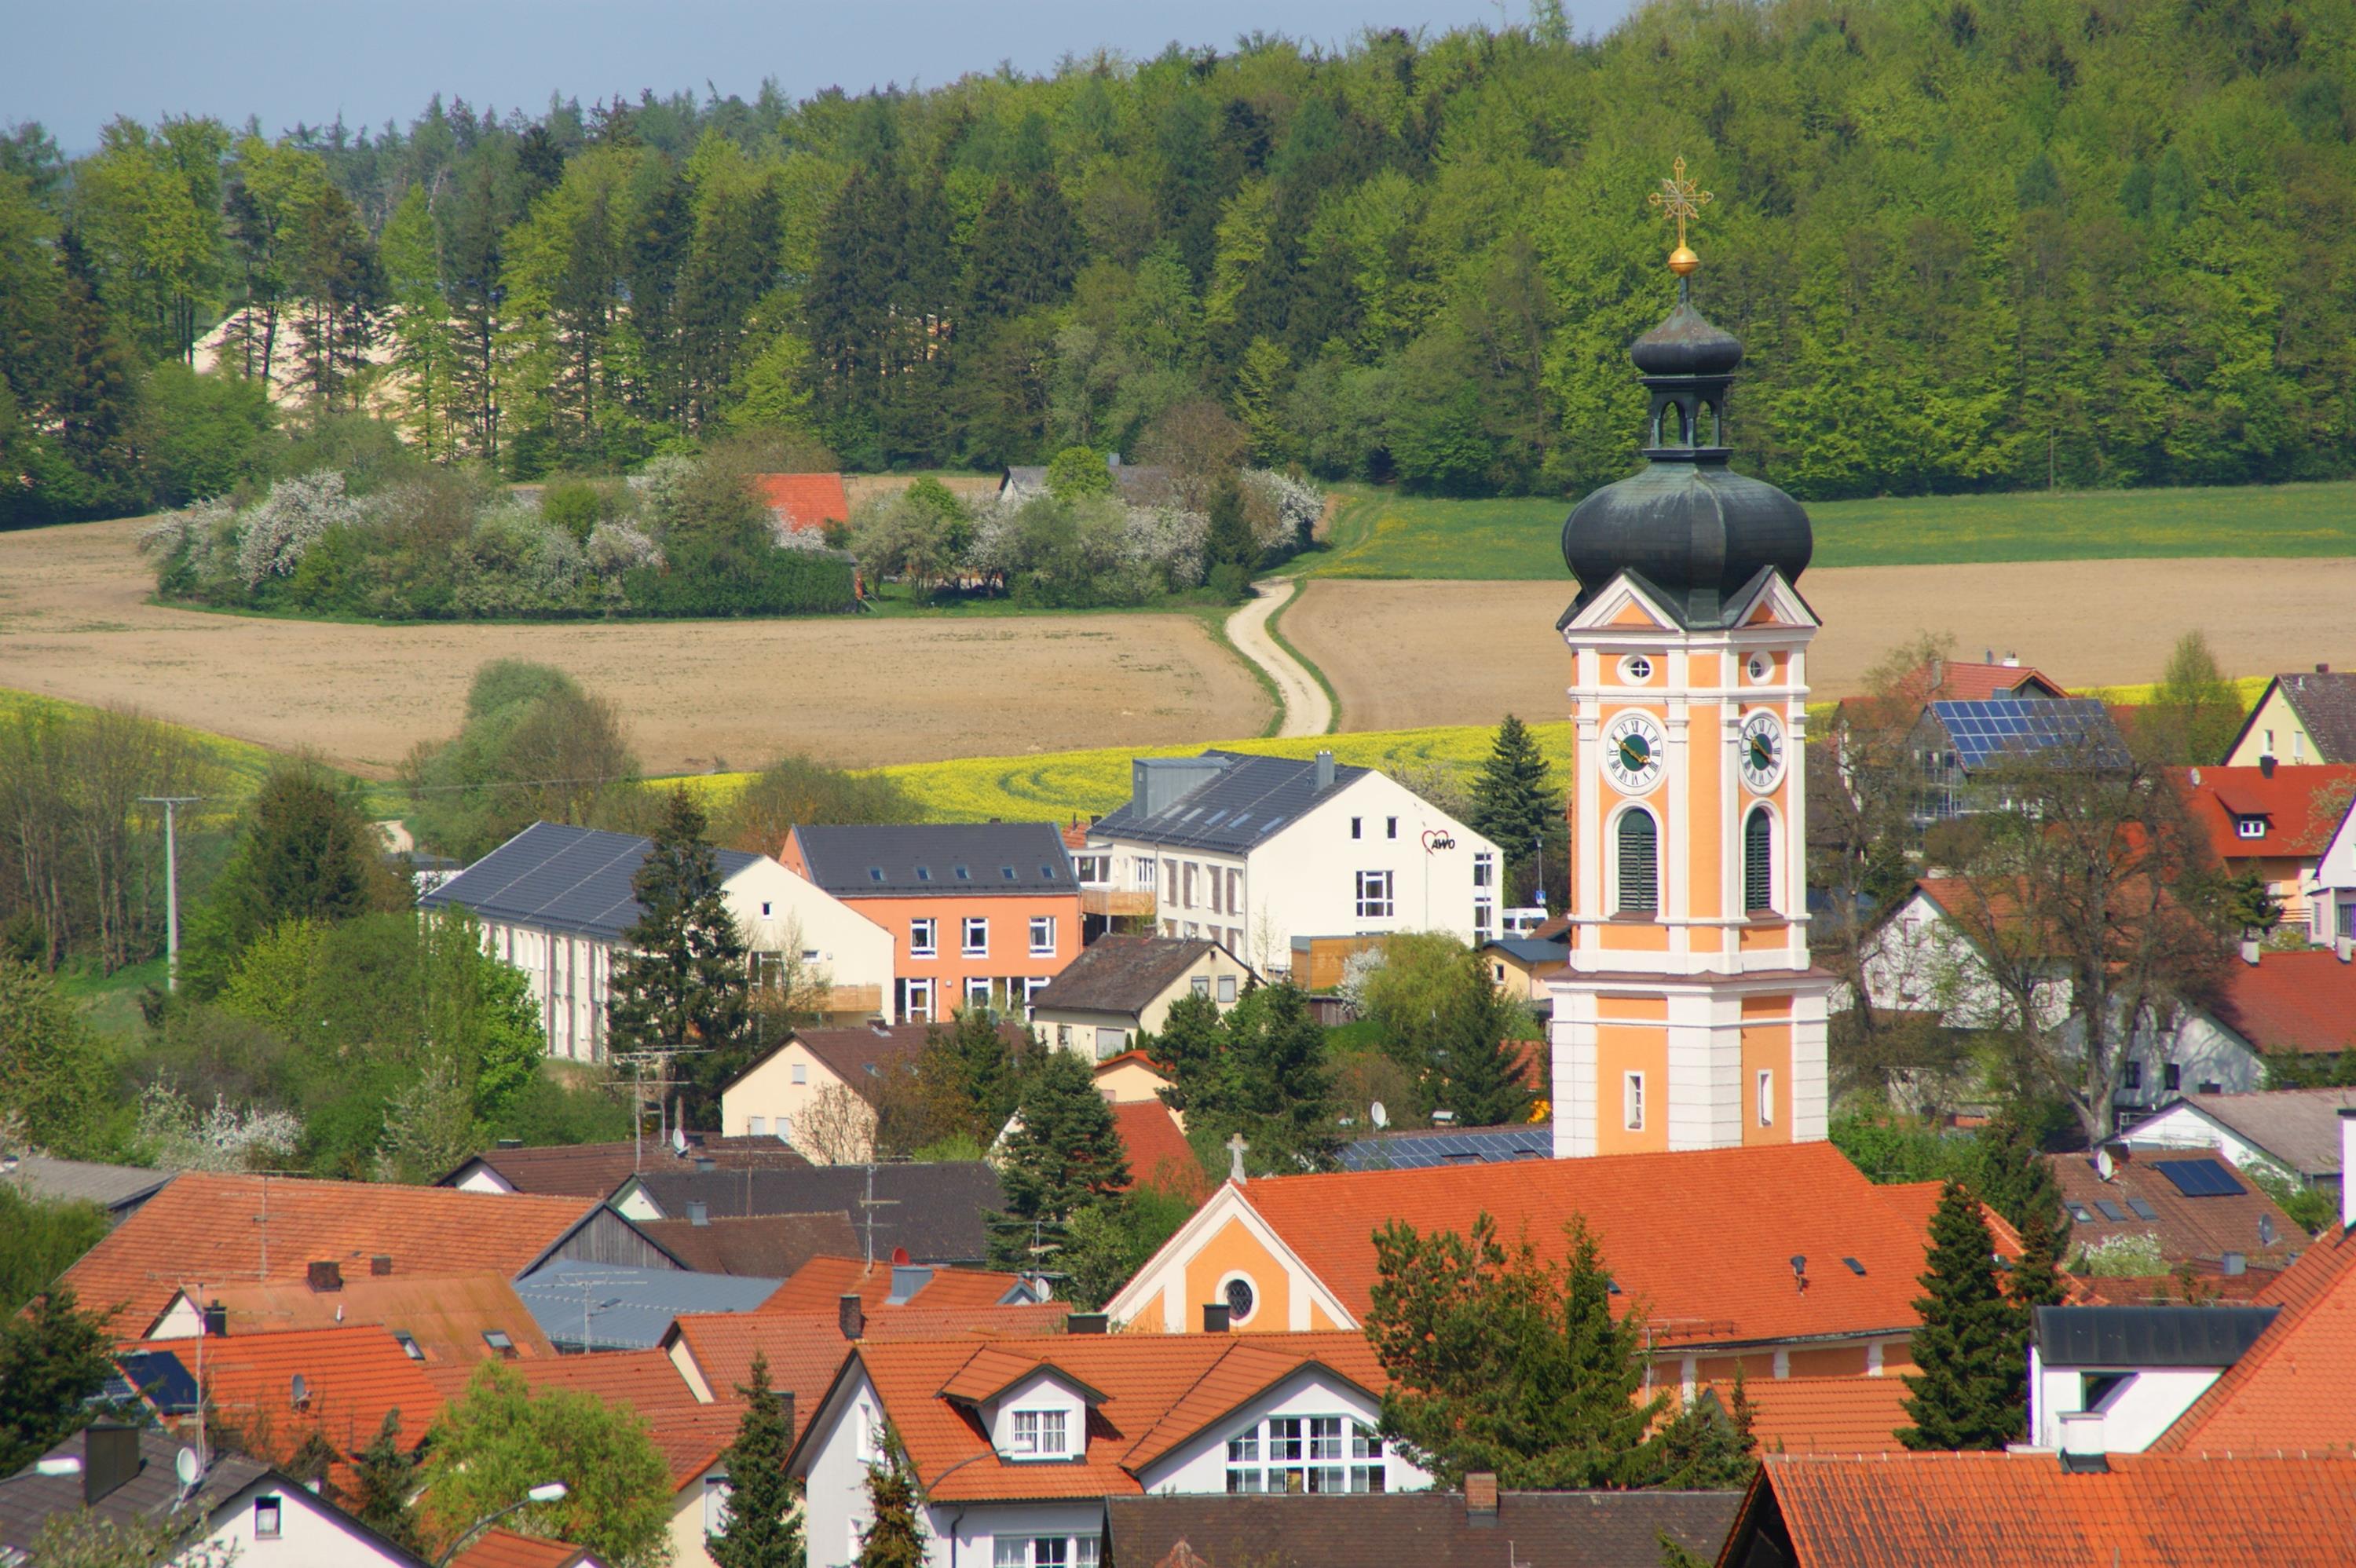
981, 913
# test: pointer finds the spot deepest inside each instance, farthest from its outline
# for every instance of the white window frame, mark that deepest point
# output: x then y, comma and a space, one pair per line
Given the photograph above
967, 928
1226, 990
757, 1127
799, 1073
1378, 895
1043, 948
1032, 1432
977, 991
920, 1009
1632, 1102
924, 937
1484, 868
1765, 1106
715, 1504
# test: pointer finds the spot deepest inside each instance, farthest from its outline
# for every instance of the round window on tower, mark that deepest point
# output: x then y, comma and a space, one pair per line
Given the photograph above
1240, 1299
1635, 669
1761, 667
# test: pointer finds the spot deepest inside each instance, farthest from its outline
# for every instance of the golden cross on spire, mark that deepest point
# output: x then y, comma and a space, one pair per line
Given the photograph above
1682, 199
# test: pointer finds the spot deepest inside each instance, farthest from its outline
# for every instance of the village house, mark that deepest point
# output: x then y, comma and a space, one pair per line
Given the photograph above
1018, 1445
1129, 1077
1956, 743
594, 1170
556, 902
251, 1512
1812, 1269
821, 1090
1122, 986
586, 1307
1250, 851
932, 1211
436, 1318
1922, 959
1139, 484
2300, 718
2297, 1131
803, 503
980, 914
2193, 1208
2290, 827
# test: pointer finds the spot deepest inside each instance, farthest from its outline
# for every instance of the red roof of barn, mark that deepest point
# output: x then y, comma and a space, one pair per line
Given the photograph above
804, 500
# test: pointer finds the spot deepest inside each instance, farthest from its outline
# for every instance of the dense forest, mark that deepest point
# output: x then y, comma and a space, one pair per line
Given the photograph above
1971, 244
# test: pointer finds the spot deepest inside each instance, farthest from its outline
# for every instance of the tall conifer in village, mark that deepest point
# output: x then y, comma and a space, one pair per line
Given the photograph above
1969, 1388
2019, 1185
681, 983
1512, 806
892, 1539
764, 1529
1066, 1157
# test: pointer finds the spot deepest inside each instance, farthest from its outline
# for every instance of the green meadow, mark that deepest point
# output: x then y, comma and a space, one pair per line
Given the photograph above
1380, 534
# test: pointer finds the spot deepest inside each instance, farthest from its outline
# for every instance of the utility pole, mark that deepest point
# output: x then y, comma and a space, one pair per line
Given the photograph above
171, 804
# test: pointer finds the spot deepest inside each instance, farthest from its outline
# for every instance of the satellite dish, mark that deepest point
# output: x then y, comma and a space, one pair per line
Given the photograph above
899, 1257
1377, 1114
2105, 1166
302, 1391
190, 1468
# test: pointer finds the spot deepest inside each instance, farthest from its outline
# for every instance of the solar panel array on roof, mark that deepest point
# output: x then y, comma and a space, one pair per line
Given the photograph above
2021, 727
555, 877
1469, 1146
2199, 1178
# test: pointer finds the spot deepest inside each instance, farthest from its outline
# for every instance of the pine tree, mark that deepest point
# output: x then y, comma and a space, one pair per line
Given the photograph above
384, 1478
1188, 1050
1480, 1077
2018, 1183
1512, 806
764, 1529
1067, 1156
1230, 541
1275, 1086
1969, 1388
682, 982
893, 1537
53, 1359
1706, 1446
1500, 1361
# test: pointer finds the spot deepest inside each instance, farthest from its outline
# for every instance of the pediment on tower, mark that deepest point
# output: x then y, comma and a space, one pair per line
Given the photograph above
1627, 602
1768, 599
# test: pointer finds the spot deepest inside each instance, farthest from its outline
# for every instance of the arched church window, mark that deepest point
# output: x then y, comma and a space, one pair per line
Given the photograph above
1758, 861
1639, 862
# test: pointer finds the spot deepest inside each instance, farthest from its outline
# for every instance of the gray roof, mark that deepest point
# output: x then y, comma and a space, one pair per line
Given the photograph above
116, 1186
2300, 1127
1420, 1149
938, 858
1531, 949
572, 880
934, 1209
1431, 1529
28, 1500
2325, 701
1121, 975
1247, 801
629, 1308
2137, 1337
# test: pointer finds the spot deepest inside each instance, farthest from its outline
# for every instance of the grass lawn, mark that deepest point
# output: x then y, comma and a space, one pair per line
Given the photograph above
111, 1002
1381, 534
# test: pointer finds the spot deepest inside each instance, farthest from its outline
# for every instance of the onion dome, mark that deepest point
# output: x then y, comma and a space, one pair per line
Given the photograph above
1694, 530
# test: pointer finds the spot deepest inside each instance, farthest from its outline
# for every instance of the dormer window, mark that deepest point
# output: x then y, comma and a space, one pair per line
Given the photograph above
1040, 1433
2250, 827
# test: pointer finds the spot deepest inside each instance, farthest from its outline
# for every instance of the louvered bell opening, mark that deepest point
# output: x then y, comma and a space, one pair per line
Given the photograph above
1759, 863
1639, 864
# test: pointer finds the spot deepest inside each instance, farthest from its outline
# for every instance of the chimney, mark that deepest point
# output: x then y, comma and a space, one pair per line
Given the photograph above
2250, 950
1480, 1498
698, 1212
2234, 1264
850, 1315
2267, 766
2347, 1163
1987, 655
1324, 770
381, 1265
2323, 669
1215, 1317
110, 1456
217, 1321
1088, 1323
327, 1275
2011, 659
2084, 1451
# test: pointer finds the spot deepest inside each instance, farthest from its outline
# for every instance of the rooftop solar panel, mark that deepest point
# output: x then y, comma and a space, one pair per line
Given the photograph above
2199, 1178
2025, 727
1424, 1150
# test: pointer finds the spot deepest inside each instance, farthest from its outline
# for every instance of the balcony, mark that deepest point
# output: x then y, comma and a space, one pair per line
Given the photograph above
1117, 903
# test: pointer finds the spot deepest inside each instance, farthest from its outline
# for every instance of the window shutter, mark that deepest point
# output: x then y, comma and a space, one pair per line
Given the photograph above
1640, 871
1759, 862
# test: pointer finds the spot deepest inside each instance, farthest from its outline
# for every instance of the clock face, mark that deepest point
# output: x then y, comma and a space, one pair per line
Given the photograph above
1763, 752
1634, 750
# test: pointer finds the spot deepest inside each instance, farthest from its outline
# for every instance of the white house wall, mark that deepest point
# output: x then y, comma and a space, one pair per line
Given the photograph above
778, 910
2134, 1414
835, 1496
1200, 1465
310, 1535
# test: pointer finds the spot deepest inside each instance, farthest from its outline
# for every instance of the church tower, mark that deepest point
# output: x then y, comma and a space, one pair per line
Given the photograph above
1689, 1015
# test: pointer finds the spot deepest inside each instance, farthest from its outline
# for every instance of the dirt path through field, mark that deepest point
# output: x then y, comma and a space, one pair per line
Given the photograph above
1407, 653
1307, 709
74, 624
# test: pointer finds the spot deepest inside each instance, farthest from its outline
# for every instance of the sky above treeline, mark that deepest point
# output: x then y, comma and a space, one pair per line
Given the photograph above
73, 67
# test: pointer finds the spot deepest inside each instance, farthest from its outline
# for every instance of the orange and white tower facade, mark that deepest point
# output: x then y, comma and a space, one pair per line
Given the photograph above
1689, 1015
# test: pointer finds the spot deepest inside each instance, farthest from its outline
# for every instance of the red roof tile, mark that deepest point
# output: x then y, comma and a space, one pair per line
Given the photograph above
804, 500
1146, 1381
2291, 1388
2303, 1001
1747, 1211
2023, 1510
352, 1378
2302, 808
446, 1315
820, 1286
2201, 1230
209, 1230
687, 1432
1159, 1155
1823, 1415
506, 1549
1973, 680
